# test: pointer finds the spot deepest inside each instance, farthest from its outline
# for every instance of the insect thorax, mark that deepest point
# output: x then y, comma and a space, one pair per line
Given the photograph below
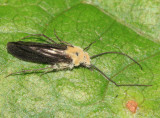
78, 56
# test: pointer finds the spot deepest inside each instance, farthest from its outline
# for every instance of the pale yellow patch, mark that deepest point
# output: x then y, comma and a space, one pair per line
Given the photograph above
78, 56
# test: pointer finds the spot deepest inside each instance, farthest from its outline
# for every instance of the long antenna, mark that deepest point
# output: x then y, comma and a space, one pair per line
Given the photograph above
114, 81
116, 53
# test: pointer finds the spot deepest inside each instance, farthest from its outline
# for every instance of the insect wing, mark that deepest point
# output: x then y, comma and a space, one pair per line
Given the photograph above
39, 52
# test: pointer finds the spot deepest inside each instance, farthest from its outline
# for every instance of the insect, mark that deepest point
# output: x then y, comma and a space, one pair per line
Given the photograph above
60, 55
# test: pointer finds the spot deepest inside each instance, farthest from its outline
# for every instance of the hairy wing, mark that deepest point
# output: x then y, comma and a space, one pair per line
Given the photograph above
39, 52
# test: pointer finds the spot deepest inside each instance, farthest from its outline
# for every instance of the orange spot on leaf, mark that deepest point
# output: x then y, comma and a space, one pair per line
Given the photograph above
132, 106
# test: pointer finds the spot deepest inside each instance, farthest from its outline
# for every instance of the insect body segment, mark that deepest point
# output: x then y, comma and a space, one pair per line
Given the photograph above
78, 56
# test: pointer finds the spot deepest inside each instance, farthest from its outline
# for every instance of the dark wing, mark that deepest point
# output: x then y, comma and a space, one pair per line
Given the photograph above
39, 52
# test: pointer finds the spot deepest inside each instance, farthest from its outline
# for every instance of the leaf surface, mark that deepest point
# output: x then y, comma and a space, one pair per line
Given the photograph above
78, 92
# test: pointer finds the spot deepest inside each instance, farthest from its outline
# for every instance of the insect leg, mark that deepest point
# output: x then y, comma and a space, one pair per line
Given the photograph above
55, 68
86, 48
49, 39
114, 81
26, 71
47, 72
116, 53
60, 39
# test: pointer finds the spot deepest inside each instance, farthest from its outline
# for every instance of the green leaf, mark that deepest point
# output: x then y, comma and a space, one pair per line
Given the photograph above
78, 92
140, 15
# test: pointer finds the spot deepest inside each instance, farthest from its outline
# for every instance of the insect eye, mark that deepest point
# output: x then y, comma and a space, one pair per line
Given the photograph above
77, 53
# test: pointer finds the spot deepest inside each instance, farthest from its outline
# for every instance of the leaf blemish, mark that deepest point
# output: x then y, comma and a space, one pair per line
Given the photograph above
132, 106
